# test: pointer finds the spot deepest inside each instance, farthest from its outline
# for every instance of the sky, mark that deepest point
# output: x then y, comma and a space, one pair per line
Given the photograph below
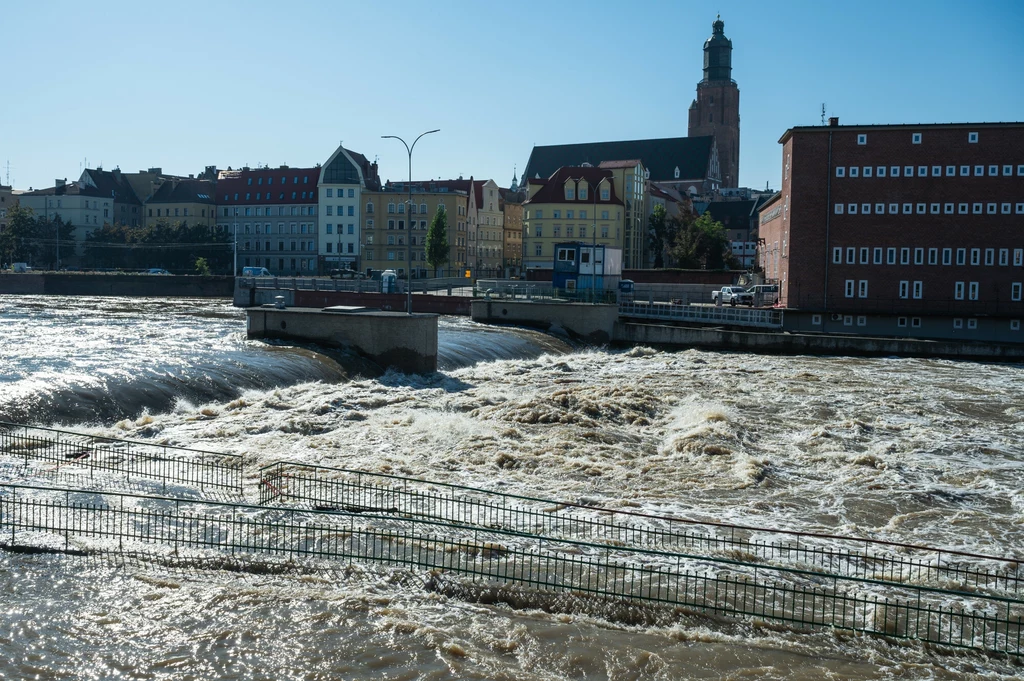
185, 85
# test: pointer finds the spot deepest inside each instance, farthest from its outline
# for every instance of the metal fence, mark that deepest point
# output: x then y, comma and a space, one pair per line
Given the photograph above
704, 314
131, 460
84, 521
831, 556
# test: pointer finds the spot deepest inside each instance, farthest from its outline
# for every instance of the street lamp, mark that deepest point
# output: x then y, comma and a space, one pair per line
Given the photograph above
408, 245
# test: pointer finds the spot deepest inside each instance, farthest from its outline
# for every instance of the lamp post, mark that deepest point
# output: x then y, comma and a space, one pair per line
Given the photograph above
408, 245
593, 241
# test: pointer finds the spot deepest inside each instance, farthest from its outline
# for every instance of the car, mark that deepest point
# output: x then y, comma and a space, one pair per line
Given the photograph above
764, 294
732, 295
156, 270
346, 274
256, 272
21, 267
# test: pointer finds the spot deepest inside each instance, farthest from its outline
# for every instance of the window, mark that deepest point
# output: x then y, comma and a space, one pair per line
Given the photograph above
918, 289
901, 322
537, 214
1007, 171
961, 256
1020, 170
865, 208
878, 256
976, 209
816, 320
958, 323
972, 323
867, 171
936, 171
1019, 209
922, 171
539, 231
537, 249
351, 193
894, 208
330, 210
915, 322
330, 228
570, 193
908, 208
990, 256
569, 215
972, 290
894, 171
1018, 257
862, 288
330, 193
848, 320
965, 171
880, 209
991, 208
934, 209
837, 255
962, 209
972, 137
839, 209
950, 171
1005, 209
852, 209
890, 256
1004, 257
904, 256
921, 208
840, 171
1014, 325
933, 256
865, 256
916, 138
979, 171
851, 256
880, 171
948, 209
993, 171
854, 171
975, 256
918, 256
862, 320
1015, 290
904, 289
947, 256
862, 139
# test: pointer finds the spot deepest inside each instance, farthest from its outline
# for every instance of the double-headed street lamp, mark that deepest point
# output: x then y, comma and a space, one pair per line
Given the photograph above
408, 271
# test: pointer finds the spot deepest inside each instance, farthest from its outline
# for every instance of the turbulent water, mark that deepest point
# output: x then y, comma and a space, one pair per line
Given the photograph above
910, 450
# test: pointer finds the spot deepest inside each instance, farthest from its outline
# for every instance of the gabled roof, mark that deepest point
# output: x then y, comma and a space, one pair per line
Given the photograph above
692, 155
262, 186
110, 183
185, 191
733, 214
68, 189
553, 190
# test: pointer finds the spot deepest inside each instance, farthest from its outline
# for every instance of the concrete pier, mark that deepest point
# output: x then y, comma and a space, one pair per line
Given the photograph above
584, 321
391, 339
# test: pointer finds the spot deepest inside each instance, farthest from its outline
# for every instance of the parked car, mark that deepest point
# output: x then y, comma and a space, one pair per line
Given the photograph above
156, 270
764, 294
21, 267
732, 295
346, 274
256, 272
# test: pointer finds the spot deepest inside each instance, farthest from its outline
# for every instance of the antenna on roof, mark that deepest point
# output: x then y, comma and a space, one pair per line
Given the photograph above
823, 113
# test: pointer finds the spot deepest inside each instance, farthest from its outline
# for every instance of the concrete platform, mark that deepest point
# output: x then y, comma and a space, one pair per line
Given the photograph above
391, 339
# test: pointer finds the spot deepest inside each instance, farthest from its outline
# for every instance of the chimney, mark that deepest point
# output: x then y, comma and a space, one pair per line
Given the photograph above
833, 122
59, 182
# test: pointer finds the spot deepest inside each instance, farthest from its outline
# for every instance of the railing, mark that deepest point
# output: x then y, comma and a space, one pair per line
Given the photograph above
35, 518
860, 559
164, 464
706, 314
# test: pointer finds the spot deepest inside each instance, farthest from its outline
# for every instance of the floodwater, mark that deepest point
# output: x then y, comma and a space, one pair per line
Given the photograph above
920, 451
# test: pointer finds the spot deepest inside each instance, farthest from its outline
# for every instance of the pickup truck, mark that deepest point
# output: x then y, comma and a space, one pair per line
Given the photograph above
732, 295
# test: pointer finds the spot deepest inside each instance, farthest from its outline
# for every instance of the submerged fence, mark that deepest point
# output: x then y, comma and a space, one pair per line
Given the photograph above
128, 459
83, 520
352, 491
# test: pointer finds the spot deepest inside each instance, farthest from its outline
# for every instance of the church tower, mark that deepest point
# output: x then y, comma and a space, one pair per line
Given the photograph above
716, 110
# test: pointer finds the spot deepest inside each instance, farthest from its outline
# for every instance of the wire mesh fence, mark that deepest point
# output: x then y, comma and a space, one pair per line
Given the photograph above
60, 450
91, 522
324, 488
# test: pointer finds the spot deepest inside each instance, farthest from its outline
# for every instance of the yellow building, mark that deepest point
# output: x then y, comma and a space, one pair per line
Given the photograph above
512, 243
391, 228
189, 201
604, 205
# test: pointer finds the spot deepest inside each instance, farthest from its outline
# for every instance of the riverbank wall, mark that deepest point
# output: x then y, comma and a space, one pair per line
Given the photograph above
129, 285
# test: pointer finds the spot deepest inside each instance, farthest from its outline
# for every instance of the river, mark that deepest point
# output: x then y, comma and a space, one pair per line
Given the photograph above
910, 450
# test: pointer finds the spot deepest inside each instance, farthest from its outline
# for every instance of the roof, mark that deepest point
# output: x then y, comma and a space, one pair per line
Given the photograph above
692, 155
732, 214
268, 185
68, 189
553, 190
431, 186
111, 183
894, 126
632, 163
185, 191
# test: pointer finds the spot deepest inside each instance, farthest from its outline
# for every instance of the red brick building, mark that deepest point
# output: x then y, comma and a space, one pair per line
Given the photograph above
913, 230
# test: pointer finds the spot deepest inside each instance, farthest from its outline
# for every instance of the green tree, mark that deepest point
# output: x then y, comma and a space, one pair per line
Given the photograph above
19, 242
661, 233
702, 244
47, 232
437, 240
202, 267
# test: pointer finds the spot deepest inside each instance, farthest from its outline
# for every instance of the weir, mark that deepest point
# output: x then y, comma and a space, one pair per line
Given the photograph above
468, 541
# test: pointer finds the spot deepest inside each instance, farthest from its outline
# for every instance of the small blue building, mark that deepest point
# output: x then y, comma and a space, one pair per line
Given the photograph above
580, 266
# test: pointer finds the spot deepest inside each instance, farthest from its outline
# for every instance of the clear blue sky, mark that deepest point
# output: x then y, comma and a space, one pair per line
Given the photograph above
185, 84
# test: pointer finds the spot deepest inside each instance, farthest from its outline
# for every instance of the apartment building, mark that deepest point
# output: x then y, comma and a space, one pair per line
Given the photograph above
604, 205
512, 229
81, 205
902, 230
127, 208
487, 253
273, 215
392, 225
188, 201
343, 179
7, 201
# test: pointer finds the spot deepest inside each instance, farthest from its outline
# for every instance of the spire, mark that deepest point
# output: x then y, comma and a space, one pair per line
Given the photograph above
515, 183
717, 53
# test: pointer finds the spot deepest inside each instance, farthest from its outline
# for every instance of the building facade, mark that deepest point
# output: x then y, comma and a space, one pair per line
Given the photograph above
272, 215
901, 229
6, 203
716, 109
127, 208
512, 229
187, 201
81, 205
604, 205
343, 179
490, 221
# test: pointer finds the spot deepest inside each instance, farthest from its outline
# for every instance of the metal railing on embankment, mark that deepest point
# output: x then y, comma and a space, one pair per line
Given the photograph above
703, 314
862, 559
84, 521
66, 451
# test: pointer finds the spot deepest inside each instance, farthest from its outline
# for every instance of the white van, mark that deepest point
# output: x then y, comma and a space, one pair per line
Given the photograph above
21, 267
256, 272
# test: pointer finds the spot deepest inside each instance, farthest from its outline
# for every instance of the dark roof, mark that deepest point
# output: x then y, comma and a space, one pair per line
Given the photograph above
242, 187
431, 186
69, 189
660, 156
112, 183
894, 126
185, 191
732, 214
553, 189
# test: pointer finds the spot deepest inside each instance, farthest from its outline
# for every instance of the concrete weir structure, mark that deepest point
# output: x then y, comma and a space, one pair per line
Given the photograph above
391, 339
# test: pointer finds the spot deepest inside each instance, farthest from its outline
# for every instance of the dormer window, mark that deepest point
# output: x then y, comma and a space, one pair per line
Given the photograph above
583, 192
605, 193
570, 192
677, 172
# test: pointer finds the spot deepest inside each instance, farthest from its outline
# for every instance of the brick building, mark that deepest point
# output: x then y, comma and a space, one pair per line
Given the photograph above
900, 230
716, 109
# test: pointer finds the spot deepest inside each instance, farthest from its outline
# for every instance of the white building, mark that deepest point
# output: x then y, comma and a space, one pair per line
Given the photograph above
342, 181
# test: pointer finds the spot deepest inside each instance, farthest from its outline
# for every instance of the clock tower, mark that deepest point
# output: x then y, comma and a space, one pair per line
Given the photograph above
716, 110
